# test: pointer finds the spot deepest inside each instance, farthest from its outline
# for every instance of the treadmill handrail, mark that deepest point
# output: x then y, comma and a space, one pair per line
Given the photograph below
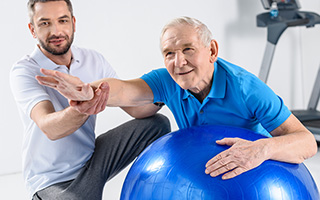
315, 94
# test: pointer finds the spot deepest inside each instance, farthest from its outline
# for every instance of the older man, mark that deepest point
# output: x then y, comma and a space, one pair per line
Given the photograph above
200, 88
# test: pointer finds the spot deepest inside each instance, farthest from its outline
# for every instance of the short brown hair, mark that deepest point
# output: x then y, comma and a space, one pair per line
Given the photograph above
32, 3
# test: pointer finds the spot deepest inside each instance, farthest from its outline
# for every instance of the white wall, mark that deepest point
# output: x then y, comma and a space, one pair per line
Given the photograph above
127, 33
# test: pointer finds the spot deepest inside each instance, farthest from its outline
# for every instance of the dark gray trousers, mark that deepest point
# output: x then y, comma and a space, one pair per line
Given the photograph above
114, 150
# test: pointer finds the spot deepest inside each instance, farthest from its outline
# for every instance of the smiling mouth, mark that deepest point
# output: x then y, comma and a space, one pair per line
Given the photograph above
184, 73
56, 41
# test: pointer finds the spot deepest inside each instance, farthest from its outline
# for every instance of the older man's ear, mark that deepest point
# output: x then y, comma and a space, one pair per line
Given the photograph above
214, 51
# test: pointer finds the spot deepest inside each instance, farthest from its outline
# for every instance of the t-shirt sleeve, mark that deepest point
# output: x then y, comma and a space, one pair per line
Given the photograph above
264, 104
25, 88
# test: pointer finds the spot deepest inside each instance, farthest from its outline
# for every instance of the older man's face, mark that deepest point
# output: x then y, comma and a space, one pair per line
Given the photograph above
187, 59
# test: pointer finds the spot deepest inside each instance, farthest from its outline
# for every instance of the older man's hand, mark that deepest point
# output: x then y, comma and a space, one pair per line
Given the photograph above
242, 156
97, 104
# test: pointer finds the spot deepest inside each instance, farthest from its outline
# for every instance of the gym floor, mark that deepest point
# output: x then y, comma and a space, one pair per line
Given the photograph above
12, 186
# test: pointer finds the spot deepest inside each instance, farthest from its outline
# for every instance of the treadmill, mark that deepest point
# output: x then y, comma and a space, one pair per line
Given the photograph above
283, 14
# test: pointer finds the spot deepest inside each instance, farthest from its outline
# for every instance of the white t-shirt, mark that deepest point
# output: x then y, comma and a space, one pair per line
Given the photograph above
47, 162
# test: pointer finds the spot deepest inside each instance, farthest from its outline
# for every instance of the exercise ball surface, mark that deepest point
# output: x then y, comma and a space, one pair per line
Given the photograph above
172, 168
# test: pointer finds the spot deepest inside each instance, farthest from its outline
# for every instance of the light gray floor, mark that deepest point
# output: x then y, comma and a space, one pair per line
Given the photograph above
12, 188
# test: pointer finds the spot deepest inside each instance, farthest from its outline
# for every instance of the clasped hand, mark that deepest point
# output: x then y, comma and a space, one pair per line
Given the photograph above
242, 156
82, 96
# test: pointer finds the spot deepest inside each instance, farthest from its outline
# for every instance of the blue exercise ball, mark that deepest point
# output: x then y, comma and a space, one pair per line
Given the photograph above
172, 168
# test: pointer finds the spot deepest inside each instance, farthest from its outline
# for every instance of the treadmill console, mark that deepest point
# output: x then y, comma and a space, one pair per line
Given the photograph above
282, 4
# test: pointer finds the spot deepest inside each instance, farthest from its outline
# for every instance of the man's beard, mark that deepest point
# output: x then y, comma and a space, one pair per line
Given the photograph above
57, 51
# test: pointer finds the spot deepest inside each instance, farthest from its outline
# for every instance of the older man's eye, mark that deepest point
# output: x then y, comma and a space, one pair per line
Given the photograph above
188, 51
169, 54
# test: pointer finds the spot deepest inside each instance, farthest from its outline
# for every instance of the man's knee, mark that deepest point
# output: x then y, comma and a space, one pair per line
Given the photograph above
162, 122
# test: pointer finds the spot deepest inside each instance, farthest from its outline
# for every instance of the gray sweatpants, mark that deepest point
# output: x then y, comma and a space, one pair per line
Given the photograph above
114, 150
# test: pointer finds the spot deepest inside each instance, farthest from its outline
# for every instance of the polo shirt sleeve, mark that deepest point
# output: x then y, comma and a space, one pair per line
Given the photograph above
103, 64
158, 81
25, 88
108, 70
268, 108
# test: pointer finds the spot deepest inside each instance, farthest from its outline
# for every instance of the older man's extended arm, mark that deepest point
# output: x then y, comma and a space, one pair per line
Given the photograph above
133, 96
130, 95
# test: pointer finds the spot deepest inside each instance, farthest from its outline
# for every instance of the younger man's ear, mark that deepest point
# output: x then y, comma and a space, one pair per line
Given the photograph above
31, 28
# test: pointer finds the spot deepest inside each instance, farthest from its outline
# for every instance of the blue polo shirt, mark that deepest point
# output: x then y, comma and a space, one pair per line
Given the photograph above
237, 98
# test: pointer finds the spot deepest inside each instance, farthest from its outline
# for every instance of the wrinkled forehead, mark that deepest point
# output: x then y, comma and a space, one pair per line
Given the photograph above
179, 36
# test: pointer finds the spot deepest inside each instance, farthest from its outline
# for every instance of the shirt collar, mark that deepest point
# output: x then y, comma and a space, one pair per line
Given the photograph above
46, 63
219, 83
